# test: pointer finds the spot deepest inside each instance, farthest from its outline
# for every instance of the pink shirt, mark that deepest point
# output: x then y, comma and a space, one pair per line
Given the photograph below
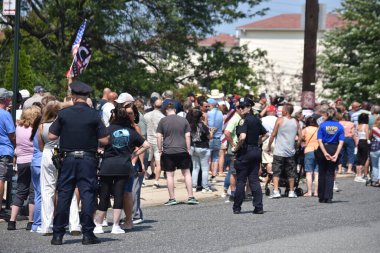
24, 147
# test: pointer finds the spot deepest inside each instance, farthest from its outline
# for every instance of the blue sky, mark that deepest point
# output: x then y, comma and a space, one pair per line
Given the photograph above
277, 7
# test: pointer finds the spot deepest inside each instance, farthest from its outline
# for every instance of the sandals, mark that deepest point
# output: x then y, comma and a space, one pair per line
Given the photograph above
307, 194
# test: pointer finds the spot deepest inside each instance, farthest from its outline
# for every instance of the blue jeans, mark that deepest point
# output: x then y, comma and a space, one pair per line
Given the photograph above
348, 151
375, 159
200, 157
37, 197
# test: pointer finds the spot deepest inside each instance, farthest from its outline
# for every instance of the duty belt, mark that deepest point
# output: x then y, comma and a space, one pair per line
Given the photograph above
78, 154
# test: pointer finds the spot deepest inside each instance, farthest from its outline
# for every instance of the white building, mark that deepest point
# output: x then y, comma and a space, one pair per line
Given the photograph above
282, 37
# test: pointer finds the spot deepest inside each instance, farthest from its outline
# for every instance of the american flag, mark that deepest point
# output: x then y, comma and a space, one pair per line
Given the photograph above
78, 39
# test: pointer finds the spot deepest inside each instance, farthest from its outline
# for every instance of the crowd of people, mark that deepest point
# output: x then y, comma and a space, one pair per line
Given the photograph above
97, 154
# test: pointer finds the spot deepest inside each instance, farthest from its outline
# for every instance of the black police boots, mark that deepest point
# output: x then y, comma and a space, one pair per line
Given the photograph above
57, 240
90, 239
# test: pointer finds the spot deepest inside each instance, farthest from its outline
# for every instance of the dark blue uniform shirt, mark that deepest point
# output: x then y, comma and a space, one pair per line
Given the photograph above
79, 128
252, 127
331, 131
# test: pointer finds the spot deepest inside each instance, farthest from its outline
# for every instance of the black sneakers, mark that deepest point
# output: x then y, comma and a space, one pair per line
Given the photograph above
29, 226
11, 225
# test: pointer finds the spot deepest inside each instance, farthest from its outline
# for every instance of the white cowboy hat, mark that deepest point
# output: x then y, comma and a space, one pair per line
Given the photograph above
215, 94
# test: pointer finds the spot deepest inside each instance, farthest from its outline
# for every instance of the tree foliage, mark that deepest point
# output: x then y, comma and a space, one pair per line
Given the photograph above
138, 45
223, 69
351, 57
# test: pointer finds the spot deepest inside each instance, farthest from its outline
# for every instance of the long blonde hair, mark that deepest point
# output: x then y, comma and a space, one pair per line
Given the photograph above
28, 116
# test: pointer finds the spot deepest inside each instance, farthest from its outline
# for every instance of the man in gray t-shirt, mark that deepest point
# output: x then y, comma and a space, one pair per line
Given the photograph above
173, 142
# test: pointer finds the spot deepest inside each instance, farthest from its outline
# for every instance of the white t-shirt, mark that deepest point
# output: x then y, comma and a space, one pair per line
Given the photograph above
106, 115
269, 122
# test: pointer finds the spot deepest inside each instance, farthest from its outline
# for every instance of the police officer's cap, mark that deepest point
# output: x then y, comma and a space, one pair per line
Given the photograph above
244, 101
80, 88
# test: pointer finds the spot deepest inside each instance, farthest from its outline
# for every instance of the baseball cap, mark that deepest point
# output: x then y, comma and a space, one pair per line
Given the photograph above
124, 98
4, 93
155, 94
271, 108
25, 93
38, 89
211, 101
246, 102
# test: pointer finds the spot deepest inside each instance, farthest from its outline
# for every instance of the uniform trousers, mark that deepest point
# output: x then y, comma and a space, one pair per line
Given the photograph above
80, 172
247, 165
326, 172
48, 182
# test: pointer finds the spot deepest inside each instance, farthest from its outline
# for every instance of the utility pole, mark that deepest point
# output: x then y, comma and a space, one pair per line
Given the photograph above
310, 54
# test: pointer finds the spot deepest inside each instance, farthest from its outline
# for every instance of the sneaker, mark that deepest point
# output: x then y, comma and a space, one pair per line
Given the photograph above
224, 194
156, 186
138, 221
336, 187
38, 230
143, 184
207, 190
29, 226
171, 202
194, 189
292, 194
98, 229
11, 225
116, 230
192, 201
105, 223
213, 179
359, 179
275, 195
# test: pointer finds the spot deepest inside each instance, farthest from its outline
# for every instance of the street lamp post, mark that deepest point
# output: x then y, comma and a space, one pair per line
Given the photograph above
14, 85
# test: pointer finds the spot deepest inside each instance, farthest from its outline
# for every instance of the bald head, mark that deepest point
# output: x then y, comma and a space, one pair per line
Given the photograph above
355, 106
112, 96
158, 103
106, 92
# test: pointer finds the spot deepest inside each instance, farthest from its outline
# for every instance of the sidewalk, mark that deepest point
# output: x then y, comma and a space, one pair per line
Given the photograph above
154, 197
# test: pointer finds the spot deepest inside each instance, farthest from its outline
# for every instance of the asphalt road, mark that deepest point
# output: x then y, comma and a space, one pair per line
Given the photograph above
350, 224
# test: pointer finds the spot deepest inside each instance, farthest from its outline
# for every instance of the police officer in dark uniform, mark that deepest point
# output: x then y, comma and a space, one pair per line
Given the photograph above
248, 156
80, 129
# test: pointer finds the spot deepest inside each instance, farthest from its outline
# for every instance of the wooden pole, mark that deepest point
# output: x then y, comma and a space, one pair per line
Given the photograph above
310, 54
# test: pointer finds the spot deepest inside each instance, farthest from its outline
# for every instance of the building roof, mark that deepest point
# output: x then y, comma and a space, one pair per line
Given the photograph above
290, 21
226, 39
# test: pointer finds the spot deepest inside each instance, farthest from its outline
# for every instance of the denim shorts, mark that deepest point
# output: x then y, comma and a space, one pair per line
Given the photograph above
310, 162
215, 145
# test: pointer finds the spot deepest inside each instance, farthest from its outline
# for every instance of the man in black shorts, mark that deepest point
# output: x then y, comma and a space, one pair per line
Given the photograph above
173, 143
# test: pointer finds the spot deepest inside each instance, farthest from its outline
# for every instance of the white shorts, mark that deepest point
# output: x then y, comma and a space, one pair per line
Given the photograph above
267, 157
154, 152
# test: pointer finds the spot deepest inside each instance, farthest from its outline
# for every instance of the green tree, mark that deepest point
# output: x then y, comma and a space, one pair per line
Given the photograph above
223, 69
351, 57
137, 45
26, 78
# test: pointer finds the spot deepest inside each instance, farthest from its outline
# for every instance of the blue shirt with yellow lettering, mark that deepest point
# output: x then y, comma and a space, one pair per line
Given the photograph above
331, 131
